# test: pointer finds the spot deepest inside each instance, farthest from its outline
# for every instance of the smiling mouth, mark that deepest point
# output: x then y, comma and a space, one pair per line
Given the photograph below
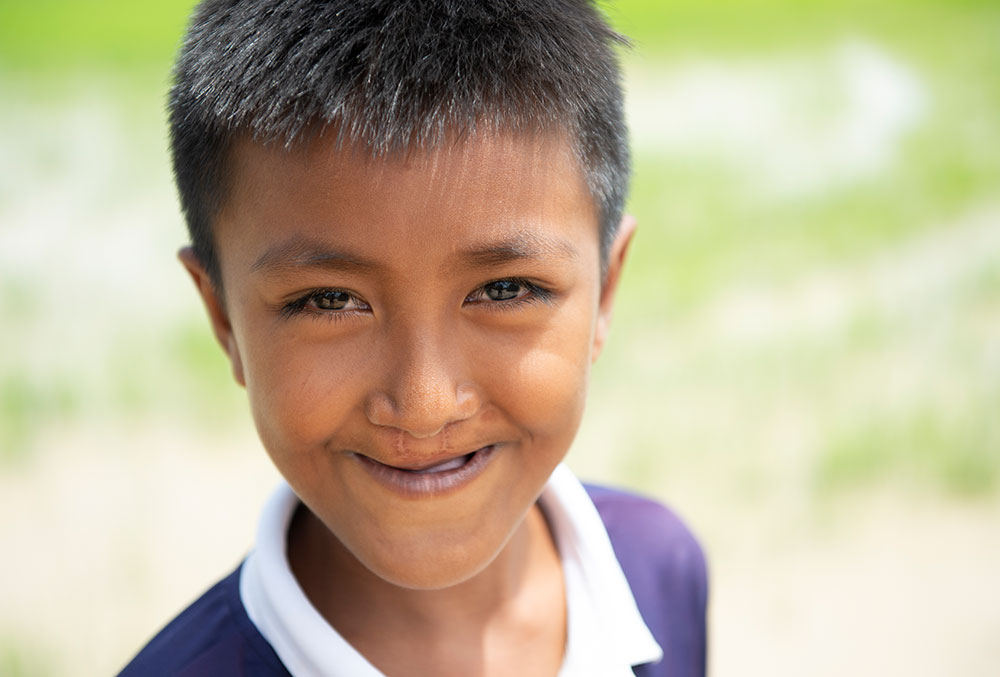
435, 479
443, 466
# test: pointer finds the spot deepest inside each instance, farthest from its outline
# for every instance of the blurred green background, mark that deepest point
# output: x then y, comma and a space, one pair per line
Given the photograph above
805, 360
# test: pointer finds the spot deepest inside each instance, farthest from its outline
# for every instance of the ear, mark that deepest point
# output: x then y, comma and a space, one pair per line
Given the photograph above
616, 260
216, 310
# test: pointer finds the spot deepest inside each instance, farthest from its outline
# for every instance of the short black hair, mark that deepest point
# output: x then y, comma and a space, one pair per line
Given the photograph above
393, 75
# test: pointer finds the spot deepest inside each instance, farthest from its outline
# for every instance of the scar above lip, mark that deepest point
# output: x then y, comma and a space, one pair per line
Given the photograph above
403, 445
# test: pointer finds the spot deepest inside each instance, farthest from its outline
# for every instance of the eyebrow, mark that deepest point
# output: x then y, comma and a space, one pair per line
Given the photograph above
299, 252
519, 247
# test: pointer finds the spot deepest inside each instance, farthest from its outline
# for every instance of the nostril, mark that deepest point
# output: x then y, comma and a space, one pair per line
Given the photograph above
380, 409
467, 399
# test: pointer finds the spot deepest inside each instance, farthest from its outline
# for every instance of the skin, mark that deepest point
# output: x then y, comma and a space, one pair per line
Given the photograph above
419, 357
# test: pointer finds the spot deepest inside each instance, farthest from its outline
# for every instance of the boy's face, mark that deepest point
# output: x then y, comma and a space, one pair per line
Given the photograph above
436, 313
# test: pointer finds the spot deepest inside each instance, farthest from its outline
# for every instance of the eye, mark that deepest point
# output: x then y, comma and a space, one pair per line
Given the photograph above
334, 299
503, 290
329, 302
508, 292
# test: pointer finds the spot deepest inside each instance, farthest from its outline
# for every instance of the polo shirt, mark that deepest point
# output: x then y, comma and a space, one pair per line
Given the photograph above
606, 633
636, 590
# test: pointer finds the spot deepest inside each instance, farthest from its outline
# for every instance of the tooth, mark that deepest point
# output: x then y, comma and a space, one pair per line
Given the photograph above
445, 465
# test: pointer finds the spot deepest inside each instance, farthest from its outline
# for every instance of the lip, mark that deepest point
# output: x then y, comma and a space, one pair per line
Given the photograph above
423, 482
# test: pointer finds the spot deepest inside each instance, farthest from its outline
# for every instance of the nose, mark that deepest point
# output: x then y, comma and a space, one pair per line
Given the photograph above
423, 388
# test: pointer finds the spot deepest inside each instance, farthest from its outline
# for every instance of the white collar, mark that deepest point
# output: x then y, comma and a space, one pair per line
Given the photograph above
606, 634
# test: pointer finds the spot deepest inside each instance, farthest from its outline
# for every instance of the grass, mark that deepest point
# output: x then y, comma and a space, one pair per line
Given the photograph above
710, 240
59, 35
20, 660
959, 454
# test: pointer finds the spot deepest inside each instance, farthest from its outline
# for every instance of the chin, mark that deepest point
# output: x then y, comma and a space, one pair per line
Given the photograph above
431, 575
429, 567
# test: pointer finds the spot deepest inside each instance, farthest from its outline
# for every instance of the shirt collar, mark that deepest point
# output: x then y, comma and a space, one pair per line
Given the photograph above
605, 626
606, 633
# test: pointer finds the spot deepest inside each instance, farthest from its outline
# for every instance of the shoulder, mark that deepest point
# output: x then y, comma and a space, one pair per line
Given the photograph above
639, 525
666, 569
213, 636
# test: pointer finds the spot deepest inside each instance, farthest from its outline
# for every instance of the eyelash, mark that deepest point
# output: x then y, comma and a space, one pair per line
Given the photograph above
534, 294
301, 305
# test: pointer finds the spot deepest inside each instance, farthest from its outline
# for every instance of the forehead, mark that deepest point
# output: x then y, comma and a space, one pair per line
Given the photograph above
490, 189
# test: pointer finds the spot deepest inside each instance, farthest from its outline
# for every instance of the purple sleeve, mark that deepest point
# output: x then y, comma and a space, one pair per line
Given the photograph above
666, 570
213, 637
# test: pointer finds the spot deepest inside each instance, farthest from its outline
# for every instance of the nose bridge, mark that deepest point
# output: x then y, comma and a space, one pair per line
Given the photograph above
422, 388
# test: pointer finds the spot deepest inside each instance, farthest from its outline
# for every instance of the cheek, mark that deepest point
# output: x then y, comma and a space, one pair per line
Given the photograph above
544, 387
300, 391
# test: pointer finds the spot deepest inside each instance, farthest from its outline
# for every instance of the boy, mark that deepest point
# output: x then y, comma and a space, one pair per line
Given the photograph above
407, 232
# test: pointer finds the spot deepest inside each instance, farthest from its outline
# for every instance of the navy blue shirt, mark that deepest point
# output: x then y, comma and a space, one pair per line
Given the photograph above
662, 561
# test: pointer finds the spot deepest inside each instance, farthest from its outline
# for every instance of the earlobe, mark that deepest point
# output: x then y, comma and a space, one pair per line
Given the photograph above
616, 261
217, 314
